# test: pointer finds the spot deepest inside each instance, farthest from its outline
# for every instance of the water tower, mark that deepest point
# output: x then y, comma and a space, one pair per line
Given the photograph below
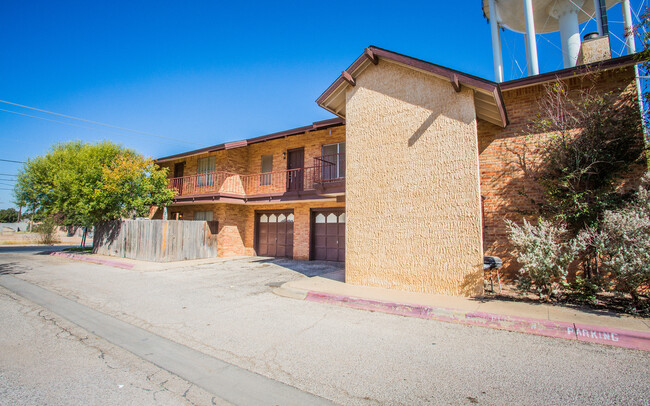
532, 17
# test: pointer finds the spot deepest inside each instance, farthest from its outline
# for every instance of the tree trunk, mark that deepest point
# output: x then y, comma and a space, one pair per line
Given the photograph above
83, 237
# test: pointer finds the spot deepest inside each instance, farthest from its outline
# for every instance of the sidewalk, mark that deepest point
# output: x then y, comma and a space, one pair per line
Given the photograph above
539, 319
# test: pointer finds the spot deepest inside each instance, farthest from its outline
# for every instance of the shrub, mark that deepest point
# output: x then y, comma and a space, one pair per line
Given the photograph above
624, 243
47, 231
544, 254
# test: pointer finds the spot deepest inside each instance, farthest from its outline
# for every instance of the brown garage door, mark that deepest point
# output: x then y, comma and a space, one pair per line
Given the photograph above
328, 234
275, 234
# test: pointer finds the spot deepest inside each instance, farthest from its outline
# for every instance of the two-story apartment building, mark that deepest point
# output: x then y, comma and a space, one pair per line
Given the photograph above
410, 184
278, 195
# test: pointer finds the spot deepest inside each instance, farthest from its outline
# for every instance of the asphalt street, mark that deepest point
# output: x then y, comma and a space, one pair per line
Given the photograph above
227, 310
46, 360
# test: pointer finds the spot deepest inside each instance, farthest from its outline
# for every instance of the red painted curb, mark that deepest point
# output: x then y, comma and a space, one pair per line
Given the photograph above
99, 261
570, 331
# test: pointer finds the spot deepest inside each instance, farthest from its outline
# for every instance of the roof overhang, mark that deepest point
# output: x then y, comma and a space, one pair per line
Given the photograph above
318, 125
575, 71
488, 101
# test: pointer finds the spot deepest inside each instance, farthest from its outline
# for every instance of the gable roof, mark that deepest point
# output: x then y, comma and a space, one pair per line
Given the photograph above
488, 101
317, 125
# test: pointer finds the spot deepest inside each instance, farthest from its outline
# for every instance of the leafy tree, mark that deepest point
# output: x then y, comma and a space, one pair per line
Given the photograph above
8, 215
83, 184
595, 140
590, 141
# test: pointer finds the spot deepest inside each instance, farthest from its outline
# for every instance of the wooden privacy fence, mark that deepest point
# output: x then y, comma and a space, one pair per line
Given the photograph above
156, 240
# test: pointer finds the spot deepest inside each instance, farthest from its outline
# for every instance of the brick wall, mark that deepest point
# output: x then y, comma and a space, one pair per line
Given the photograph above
502, 180
237, 224
248, 160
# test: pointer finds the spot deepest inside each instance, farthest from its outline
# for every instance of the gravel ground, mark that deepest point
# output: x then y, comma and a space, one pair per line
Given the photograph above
227, 310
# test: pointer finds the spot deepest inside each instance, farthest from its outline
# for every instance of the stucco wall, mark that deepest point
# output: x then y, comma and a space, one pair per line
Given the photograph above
412, 187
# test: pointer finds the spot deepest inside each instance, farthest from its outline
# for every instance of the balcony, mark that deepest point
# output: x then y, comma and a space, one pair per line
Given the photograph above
326, 178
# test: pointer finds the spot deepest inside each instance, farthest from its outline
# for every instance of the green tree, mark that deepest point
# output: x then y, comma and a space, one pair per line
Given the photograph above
81, 184
8, 215
590, 141
595, 141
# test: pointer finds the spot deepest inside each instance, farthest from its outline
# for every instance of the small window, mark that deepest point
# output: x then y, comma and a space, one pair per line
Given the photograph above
266, 169
331, 218
342, 218
320, 218
290, 218
264, 218
282, 218
272, 218
203, 215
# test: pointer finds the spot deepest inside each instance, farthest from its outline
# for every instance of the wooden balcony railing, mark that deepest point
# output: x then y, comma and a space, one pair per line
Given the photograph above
326, 169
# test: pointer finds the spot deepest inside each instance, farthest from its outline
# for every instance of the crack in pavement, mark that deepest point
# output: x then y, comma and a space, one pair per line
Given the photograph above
229, 382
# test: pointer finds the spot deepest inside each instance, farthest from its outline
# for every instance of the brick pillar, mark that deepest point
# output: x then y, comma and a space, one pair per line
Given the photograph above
301, 233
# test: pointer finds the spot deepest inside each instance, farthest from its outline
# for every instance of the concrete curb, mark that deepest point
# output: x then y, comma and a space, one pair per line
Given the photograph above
292, 293
93, 260
570, 331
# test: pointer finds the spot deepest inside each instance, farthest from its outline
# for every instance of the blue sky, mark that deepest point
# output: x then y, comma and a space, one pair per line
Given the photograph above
207, 72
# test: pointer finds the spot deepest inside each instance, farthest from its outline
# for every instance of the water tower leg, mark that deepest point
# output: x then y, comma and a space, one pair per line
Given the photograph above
531, 41
598, 17
570, 35
496, 43
629, 28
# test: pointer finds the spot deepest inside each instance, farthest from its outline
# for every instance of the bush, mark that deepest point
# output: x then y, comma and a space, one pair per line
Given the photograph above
8, 215
585, 290
544, 254
47, 231
624, 243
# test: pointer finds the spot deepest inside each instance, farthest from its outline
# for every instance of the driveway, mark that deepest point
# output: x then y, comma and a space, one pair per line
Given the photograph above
226, 309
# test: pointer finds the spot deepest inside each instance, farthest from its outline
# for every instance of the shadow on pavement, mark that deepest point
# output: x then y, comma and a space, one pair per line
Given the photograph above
35, 249
307, 268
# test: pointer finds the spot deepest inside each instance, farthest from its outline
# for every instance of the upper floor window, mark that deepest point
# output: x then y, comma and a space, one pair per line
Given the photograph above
333, 161
266, 169
205, 171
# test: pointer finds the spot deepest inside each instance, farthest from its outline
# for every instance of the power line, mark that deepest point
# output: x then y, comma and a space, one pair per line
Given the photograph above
5, 189
7, 174
72, 125
9, 160
98, 123
5, 184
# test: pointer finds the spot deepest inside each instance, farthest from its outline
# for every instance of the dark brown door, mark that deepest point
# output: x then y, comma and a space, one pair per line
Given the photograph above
178, 173
328, 234
275, 234
295, 161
